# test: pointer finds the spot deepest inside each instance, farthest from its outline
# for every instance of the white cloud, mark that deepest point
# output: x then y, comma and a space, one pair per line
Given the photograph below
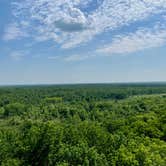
12, 32
140, 40
72, 22
70, 58
53, 57
76, 57
17, 55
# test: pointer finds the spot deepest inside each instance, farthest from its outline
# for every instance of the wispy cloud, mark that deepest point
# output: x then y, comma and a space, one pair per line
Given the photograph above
71, 58
18, 55
13, 31
53, 57
132, 42
71, 23
76, 57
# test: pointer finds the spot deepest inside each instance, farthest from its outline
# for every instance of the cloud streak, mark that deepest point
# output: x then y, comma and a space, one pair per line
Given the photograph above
140, 40
13, 31
76, 57
18, 55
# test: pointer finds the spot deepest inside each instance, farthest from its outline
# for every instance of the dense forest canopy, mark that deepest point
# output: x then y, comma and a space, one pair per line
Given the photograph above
89, 125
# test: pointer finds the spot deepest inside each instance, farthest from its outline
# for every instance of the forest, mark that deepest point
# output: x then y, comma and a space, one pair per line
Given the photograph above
83, 125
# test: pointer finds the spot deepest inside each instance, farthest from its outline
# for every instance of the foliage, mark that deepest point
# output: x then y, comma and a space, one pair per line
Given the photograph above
83, 125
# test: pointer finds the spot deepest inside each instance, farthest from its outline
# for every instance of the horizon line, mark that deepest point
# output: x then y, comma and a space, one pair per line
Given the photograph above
83, 83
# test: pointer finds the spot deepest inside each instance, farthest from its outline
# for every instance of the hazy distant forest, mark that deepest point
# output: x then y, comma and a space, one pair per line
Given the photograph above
83, 125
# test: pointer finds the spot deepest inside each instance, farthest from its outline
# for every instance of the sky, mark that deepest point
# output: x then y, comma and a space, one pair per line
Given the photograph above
82, 41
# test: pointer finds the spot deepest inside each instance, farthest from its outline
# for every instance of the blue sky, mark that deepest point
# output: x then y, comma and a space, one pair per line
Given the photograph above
78, 41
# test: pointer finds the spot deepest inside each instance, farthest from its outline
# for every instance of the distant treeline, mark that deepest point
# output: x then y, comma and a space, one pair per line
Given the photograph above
96, 92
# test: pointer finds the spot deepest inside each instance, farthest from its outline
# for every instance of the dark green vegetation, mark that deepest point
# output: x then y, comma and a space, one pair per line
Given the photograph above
85, 125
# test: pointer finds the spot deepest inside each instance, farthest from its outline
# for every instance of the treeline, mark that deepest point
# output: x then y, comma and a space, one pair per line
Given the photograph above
96, 92
75, 126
